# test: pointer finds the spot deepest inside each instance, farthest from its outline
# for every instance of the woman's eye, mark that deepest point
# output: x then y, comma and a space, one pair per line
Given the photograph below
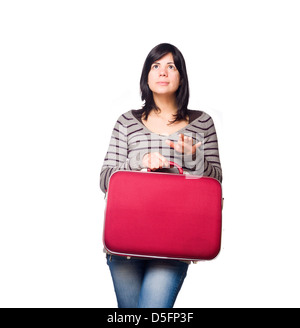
172, 67
155, 66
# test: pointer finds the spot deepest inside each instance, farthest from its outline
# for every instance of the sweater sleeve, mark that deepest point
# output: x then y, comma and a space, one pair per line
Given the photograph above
117, 155
212, 165
206, 161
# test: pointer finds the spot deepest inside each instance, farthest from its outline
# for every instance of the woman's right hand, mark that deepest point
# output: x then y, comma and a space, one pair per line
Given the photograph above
155, 161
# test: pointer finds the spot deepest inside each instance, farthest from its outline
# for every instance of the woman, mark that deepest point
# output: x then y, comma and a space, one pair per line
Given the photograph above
163, 130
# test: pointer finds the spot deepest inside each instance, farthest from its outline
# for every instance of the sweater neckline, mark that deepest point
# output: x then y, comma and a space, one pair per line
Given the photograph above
140, 122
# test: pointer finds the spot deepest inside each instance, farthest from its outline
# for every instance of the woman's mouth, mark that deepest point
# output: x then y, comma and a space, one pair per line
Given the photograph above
162, 83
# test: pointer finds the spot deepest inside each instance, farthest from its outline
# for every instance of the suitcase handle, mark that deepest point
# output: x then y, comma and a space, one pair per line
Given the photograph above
173, 164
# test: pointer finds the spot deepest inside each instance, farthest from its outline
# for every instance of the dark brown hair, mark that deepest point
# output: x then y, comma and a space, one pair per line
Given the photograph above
182, 94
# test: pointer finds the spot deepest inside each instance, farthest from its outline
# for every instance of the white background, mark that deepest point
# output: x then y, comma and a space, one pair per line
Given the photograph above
68, 69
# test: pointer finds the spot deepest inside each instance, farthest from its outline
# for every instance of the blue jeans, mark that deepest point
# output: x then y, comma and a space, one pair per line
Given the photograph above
142, 283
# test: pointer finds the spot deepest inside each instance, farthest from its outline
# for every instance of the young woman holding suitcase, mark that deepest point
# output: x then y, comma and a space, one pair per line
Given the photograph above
163, 130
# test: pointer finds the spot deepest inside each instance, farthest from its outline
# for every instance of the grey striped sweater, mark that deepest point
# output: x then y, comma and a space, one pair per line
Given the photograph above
131, 140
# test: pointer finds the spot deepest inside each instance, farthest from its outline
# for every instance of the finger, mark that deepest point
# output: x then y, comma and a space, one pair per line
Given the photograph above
188, 141
170, 143
197, 145
180, 143
155, 164
164, 161
152, 161
161, 160
161, 164
179, 147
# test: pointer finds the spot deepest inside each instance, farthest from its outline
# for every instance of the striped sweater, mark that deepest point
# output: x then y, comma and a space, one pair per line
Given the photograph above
131, 140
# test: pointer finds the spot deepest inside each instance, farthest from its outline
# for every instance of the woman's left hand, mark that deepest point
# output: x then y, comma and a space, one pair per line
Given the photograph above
184, 145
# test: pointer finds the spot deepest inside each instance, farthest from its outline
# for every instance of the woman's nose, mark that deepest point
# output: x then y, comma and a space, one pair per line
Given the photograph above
162, 72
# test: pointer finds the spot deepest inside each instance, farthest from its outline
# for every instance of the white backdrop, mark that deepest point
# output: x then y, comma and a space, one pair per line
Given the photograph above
68, 69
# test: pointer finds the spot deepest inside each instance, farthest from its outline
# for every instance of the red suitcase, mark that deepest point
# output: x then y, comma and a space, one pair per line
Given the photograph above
163, 215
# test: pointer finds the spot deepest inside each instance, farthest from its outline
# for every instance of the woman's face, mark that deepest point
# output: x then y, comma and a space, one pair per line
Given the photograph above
164, 77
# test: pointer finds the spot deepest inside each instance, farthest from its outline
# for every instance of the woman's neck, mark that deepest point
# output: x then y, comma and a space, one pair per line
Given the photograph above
166, 104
